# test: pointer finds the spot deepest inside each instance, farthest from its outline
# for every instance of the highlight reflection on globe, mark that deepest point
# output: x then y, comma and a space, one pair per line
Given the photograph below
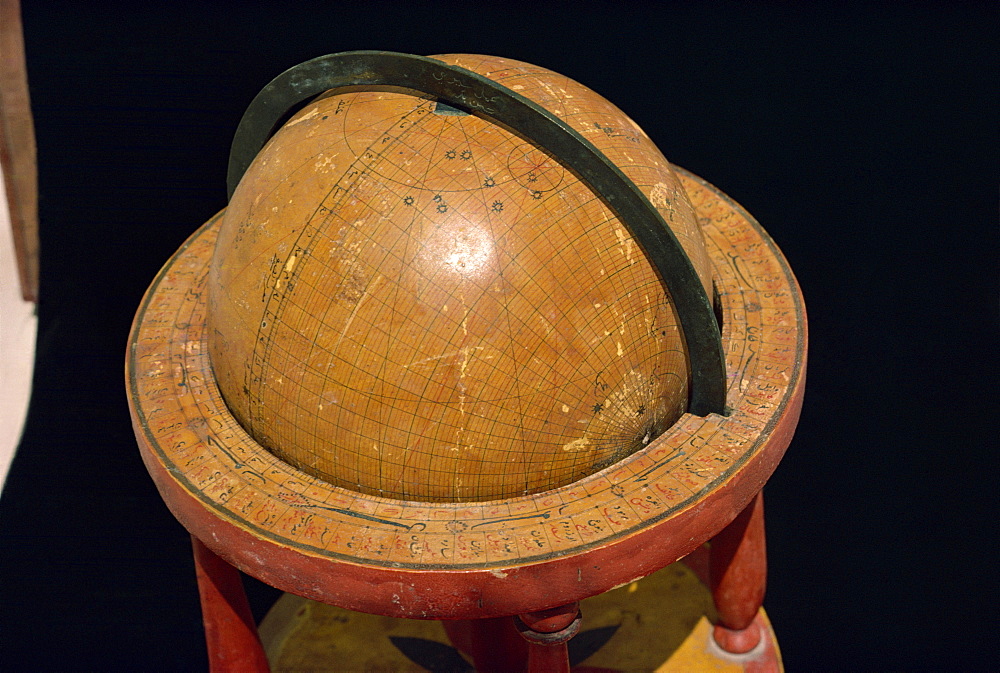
413, 302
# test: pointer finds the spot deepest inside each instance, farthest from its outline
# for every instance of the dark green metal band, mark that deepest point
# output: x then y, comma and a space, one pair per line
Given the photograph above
486, 98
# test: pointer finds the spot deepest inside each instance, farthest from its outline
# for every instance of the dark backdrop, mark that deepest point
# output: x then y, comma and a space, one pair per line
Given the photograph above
863, 138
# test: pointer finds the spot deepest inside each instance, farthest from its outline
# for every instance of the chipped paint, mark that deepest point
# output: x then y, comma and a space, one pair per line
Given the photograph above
307, 116
577, 445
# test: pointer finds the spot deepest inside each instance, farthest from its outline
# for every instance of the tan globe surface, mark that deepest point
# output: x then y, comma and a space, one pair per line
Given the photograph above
416, 303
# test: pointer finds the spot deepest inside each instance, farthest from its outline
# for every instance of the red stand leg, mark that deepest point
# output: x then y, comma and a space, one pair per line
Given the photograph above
738, 573
233, 643
493, 644
547, 632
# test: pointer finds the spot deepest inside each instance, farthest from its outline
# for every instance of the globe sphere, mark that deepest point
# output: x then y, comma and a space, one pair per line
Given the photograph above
414, 302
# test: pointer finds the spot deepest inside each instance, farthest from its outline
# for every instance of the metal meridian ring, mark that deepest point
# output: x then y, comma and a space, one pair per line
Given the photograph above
485, 98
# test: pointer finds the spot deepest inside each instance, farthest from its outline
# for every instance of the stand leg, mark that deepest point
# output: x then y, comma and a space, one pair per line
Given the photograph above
230, 632
547, 632
738, 573
493, 644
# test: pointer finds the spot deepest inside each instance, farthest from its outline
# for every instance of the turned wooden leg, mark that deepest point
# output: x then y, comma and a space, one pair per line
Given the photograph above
493, 644
738, 574
547, 632
230, 632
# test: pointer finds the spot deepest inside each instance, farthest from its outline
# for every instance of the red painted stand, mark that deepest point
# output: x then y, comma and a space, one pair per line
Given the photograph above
738, 576
230, 632
547, 633
494, 645
535, 642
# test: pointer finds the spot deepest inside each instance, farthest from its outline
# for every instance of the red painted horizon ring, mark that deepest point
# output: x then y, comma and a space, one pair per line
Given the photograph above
500, 588
474, 594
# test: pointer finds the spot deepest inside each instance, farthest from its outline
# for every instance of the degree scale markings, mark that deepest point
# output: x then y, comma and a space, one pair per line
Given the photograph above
181, 424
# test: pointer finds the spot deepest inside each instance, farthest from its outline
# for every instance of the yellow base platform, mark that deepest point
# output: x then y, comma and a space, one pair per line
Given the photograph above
659, 624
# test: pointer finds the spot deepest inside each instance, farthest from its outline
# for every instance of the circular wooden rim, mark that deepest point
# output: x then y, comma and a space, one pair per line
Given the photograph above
464, 560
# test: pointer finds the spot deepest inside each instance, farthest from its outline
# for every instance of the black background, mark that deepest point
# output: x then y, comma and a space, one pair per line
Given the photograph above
863, 138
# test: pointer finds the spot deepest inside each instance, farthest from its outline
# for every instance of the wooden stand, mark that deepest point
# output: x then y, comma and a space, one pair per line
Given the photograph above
534, 642
230, 632
739, 575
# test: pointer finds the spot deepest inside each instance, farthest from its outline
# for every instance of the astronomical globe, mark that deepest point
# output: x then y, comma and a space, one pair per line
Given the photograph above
463, 345
410, 301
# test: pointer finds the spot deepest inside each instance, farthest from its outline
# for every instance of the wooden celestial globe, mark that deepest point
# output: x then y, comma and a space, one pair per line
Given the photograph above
414, 302
464, 346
